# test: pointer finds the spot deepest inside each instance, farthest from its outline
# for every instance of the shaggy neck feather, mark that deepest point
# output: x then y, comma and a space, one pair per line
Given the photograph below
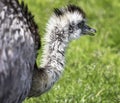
53, 60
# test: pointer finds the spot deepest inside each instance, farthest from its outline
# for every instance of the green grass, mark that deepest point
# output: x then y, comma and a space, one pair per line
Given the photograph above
92, 72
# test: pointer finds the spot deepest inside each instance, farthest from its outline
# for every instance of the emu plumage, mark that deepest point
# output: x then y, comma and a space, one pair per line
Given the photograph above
19, 41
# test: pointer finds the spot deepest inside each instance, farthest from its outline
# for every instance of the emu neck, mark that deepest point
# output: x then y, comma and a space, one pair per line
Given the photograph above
54, 50
53, 61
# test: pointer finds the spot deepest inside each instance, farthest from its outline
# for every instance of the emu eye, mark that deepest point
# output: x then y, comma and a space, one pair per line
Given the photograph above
81, 24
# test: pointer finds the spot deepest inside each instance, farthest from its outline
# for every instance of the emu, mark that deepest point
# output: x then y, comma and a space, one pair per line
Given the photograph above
20, 77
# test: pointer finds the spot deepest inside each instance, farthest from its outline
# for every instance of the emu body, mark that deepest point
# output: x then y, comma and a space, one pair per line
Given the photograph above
19, 42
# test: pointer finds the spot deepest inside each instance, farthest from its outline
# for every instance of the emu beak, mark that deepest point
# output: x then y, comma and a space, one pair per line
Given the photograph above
87, 30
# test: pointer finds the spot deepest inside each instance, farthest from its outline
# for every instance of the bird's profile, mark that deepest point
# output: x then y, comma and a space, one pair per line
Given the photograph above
19, 41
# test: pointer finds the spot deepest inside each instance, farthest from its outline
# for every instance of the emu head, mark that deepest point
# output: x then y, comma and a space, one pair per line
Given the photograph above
71, 21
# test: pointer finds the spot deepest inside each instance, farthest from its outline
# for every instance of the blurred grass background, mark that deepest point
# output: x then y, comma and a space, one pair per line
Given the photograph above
92, 72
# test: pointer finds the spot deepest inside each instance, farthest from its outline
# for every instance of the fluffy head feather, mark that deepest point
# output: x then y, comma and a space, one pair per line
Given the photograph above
69, 8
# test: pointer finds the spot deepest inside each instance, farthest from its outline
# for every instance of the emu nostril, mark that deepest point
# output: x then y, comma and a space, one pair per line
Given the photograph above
92, 30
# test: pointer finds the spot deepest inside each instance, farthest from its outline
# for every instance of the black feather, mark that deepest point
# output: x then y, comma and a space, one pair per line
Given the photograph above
58, 12
74, 8
22, 4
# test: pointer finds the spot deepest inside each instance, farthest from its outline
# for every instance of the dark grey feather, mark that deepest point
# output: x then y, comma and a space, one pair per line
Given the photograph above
19, 42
